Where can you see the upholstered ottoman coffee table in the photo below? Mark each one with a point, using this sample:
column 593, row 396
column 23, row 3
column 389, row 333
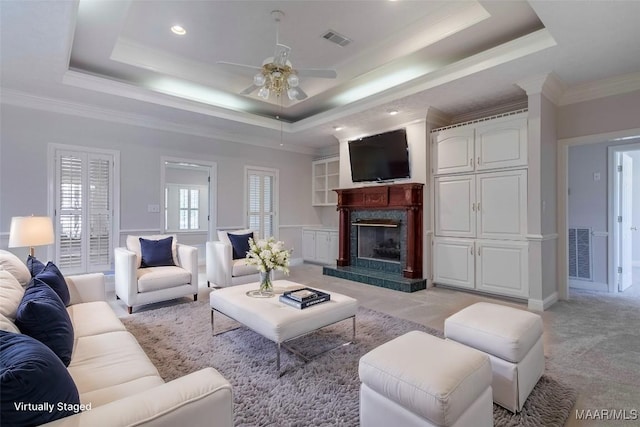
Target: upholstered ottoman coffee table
column 418, row 380
column 277, row 321
column 513, row 340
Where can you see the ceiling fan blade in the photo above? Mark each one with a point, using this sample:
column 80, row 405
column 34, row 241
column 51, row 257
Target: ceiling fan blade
column 242, row 66
column 281, row 54
column 300, row 94
column 317, row 72
column 248, row 90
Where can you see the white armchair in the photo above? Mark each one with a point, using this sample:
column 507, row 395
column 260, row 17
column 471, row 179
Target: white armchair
column 136, row 285
column 222, row 269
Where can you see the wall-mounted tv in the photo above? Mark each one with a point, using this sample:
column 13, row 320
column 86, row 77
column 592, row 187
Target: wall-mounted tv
column 381, row 157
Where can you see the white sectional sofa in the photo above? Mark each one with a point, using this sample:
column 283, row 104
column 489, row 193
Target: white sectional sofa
column 115, row 376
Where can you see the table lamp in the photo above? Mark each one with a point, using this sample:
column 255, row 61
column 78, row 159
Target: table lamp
column 30, row 231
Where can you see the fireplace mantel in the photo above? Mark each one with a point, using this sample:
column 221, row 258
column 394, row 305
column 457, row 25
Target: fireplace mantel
column 394, row 196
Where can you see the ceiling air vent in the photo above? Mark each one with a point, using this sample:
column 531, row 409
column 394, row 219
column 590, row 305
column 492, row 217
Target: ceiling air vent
column 336, row 38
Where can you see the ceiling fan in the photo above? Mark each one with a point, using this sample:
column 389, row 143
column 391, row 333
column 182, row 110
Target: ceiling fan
column 277, row 75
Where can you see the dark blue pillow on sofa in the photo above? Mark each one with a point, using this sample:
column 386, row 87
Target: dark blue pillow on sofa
column 31, row 374
column 54, row 278
column 42, row 315
column 156, row 253
column 240, row 244
column 34, row 265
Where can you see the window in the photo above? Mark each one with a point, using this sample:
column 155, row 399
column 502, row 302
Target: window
column 189, row 209
column 186, row 207
column 261, row 201
column 82, row 204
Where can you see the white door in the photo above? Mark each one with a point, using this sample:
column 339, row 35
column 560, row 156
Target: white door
column 501, row 205
column 454, row 151
column 455, row 206
column 626, row 195
column 501, row 144
column 322, row 247
column 453, row 262
column 502, row 267
column 308, row 245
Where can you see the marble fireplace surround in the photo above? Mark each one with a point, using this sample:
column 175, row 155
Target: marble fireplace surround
column 394, row 202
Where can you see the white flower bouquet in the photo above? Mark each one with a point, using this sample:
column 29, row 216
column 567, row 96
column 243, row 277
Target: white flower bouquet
column 268, row 254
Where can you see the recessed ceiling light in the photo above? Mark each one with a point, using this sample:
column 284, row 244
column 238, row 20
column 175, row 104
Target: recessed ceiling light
column 392, row 112
column 338, row 128
column 177, row 29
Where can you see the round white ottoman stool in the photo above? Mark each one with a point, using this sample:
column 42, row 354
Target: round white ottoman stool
column 420, row 380
column 513, row 340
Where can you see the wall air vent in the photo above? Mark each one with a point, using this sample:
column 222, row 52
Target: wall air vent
column 580, row 253
column 336, row 38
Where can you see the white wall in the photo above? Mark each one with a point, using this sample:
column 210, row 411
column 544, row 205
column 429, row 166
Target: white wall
column 636, row 208
column 26, row 133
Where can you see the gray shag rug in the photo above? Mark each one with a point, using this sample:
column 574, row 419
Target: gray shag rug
column 322, row 392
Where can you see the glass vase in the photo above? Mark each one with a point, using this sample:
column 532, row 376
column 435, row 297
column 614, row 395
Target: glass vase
column 266, row 282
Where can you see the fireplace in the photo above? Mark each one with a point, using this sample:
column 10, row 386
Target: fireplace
column 381, row 229
column 378, row 240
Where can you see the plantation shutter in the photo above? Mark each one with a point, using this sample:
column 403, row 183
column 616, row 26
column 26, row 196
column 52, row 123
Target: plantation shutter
column 84, row 211
column 261, row 202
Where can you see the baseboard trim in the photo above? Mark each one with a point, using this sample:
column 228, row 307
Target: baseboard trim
column 589, row 286
column 542, row 305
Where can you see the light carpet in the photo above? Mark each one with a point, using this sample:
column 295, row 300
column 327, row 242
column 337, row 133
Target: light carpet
column 322, row 392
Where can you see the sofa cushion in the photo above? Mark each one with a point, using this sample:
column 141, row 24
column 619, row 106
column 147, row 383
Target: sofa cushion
column 120, row 391
column 7, row 325
column 30, row 373
column 156, row 278
column 34, row 265
column 54, row 278
column 240, row 268
column 156, row 253
column 43, row 316
column 93, row 318
column 133, row 244
column 240, row 244
column 11, row 293
column 106, row 360
column 13, row 265
column 223, row 235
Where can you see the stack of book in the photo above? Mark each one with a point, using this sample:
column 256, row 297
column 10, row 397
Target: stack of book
column 304, row 297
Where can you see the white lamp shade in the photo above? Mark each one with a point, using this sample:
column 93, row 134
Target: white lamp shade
column 30, row 231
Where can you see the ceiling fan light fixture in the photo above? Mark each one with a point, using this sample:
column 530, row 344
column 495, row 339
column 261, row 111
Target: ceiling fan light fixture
column 293, row 80
column 259, row 79
column 263, row 92
column 292, row 93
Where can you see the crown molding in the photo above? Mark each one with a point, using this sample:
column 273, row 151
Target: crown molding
column 601, row 89
column 549, row 85
column 26, row 100
column 437, row 118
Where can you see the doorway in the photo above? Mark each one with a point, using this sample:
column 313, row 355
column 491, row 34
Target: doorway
column 624, row 218
column 189, row 201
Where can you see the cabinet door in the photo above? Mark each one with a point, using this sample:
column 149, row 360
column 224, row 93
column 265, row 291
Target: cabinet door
column 502, row 267
column 455, row 206
column 322, row 246
column 308, row 245
column 501, row 205
column 453, row 262
column 501, row 145
column 454, row 151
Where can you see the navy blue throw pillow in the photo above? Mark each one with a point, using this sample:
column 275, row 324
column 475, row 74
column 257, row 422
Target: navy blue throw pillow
column 36, row 387
column 156, row 253
column 240, row 244
column 34, row 265
column 43, row 316
column 54, row 278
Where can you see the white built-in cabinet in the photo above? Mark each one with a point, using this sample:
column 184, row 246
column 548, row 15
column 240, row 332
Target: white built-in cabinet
column 490, row 145
column 320, row 245
column 326, row 177
column 480, row 207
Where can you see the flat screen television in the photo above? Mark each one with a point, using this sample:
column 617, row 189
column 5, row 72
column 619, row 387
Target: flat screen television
column 381, row 157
